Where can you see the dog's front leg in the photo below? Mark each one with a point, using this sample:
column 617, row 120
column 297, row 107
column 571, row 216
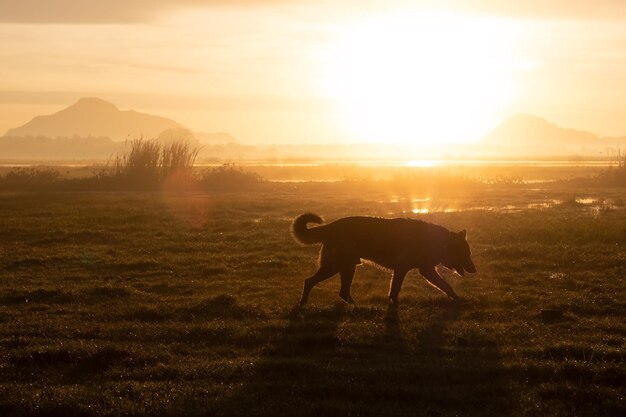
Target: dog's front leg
column 433, row 277
column 396, row 284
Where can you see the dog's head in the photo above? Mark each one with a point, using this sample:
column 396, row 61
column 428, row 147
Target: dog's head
column 457, row 254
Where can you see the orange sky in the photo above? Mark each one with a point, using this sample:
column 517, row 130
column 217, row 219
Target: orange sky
column 314, row 71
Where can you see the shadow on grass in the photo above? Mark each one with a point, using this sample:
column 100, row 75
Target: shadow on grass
column 310, row 369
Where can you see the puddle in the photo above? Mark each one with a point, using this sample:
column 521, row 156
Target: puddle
column 507, row 208
column 586, row 200
column 398, row 199
column 544, row 204
column 425, row 205
column 595, row 206
column 544, row 181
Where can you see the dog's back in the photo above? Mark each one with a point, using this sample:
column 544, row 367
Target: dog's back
column 387, row 242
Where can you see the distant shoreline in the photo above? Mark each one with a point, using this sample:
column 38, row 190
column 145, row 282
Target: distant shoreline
column 409, row 163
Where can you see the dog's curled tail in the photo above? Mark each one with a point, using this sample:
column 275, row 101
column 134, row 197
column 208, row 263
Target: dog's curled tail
column 303, row 234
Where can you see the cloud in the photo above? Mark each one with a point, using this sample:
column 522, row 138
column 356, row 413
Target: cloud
column 136, row 11
column 565, row 9
column 111, row 11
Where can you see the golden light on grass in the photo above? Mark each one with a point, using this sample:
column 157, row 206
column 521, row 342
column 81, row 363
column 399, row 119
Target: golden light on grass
column 421, row 78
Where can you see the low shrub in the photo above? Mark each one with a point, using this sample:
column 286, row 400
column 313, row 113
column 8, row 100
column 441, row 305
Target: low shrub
column 229, row 177
column 22, row 178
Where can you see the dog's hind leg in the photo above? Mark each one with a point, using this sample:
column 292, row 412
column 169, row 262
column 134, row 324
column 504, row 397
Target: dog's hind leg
column 347, row 274
column 436, row 281
column 396, row 284
column 322, row 274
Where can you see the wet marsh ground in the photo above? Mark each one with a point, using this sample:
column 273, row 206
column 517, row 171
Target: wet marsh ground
column 185, row 304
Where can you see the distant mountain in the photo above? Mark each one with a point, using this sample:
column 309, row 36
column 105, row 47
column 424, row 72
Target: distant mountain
column 528, row 130
column 525, row 134
column 93, row 117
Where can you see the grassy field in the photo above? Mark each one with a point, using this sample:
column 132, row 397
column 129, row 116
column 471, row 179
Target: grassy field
column 127, row 303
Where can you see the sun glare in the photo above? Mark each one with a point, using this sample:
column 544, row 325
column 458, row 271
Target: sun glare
column 420, row 79
column 422, row 163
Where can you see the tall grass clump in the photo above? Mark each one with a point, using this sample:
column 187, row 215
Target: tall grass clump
column 149, row 162
column 616, row 173
column 178, row 157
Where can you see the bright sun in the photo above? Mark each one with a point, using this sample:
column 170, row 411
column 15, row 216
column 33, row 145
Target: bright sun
column 420, row 78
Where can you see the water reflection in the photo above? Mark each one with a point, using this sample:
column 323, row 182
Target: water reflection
column 586, row 200
column 593, row 204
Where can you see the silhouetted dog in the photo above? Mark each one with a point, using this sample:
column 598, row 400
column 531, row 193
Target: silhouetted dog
column 397, row 244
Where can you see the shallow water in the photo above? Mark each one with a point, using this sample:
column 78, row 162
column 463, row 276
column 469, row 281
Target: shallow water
column 592, row 204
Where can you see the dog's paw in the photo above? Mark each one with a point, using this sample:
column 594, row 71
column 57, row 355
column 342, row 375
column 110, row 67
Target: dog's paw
column 454, row 297
column 347, row 298
column 460, row 301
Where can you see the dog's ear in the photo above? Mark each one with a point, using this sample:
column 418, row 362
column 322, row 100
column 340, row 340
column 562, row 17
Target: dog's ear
column 463, row 233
